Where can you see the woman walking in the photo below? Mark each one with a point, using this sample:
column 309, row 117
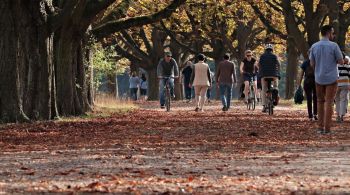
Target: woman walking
column 134, row 82
column 308, row 75
column 201, row 81
column 143, row 87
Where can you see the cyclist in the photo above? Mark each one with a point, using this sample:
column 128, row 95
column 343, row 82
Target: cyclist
column 269, row 68
column 248, row 70
column 167, row 70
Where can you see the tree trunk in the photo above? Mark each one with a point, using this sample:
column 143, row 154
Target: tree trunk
column 153, row 84
column 26, row 63
column 292, row 65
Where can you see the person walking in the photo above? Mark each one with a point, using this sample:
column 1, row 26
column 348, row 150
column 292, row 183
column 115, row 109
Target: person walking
column 167, row 70
column 201, row 81
column 225, row 76
column 324, row 57
column 211, row 85
column 134, row 82
column 342, row 95
column 308, row 74
column 186, row 74
column 269, row 68
column 143, row 87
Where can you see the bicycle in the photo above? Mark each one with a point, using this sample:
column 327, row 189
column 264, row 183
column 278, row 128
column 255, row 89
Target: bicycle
column 271, row 100
column 167, row 93
column 251, row 95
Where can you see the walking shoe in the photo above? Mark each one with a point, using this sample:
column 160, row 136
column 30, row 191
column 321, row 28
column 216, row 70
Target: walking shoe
column 224, row 109
column 326, row 132
column 264, row 110
column 316, row 118
column 311, row 119
column 162, row 106
column 339, row 119
column 197, row 109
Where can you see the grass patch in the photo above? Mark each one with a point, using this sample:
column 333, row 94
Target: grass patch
column 105, row 106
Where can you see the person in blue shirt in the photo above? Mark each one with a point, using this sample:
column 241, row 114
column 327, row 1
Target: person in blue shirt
column 324, row 57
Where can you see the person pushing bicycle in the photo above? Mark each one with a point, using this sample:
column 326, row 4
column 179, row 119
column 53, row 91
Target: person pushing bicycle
column 248, row 70
column 167, row 70
column 269, row 68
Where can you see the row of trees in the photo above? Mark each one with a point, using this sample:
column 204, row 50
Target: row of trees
column 214, row 28
column 45, row 52
column 46, row 46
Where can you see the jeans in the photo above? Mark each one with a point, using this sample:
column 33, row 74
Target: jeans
column 226, row 98
column 200, row 92
column 325, row 100
column 133, row 93
column 311, row 99
column 342, row 100
column 188, row 91
column 209, row 93
column 162, row 83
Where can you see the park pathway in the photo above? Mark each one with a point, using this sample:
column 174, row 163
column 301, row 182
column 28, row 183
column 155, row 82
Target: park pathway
column 150, row 151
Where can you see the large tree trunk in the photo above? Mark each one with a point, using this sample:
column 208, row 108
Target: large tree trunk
column 26, row 63
column 153, row 84
column 292, row 68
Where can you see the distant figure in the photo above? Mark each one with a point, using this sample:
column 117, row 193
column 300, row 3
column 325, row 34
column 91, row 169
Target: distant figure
column 134, row 85
column 211, row 86
column 143, row 87
column 342, row 95
column 201, row 80
column 186, row 74
column 225, row 76
column 167, row 70
column 308, row 74
column 324, row 57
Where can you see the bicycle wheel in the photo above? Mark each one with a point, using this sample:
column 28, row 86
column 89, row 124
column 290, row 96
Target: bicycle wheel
column 167, row 100
column 252, row 98
column 270, row 107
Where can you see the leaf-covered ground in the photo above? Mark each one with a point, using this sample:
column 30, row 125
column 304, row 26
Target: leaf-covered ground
column 150, row 151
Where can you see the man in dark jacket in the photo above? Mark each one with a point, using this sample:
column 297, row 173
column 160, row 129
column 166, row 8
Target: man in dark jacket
column 269, row 68
column 186, row 74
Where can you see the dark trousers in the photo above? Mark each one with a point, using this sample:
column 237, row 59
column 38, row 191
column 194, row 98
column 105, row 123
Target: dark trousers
column 133, row 93
column 209, row 93
column 188, row 91
column 311, row 99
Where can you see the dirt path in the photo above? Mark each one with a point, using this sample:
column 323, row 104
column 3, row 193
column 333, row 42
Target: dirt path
column 181, row 152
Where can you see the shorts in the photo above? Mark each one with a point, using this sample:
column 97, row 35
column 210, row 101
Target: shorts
column 247, row 77
column 143, row 92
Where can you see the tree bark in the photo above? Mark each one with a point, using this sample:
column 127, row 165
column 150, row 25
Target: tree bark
column 292, row 68
column 26, row 65
column 153, row 84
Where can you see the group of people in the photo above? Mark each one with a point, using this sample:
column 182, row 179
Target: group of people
column 326, row 76
column 199, row 76
column 136, row 84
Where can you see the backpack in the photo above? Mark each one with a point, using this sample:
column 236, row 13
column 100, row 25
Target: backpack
column 299, row 96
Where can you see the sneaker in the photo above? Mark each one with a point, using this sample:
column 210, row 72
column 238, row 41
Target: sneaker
column 320, row 131
column 264, row 110
column 339, row 119
column 316, row 118
column 224, row 108
column 162, row 106
column 326, row 132
column 311, row 119
column 173, row 96
column 197, row 109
